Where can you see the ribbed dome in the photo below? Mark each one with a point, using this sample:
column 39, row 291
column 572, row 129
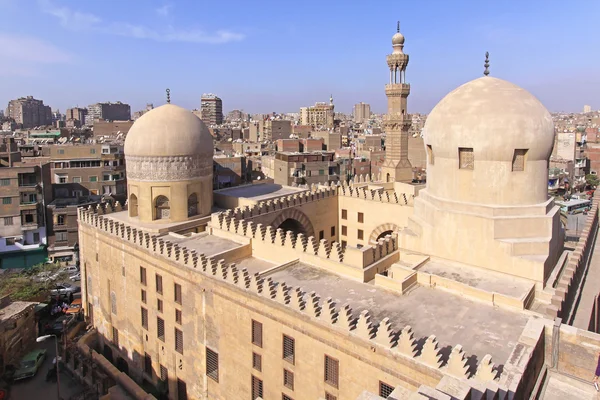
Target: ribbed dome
column 169, row 130
column 492, row 116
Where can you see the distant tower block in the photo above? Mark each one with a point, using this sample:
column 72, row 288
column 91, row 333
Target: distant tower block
column 397, row 167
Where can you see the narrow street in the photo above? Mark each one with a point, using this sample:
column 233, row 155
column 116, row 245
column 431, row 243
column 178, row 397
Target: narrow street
column 37, row 387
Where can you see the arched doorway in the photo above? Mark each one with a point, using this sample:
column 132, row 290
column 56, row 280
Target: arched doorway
column 162, row 207
column 387, row 177
column 297, row 217
column 192, row 205
column 133, row 205
column 292, row 225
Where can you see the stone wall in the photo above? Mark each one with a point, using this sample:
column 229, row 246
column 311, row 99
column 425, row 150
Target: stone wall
column 570, row 280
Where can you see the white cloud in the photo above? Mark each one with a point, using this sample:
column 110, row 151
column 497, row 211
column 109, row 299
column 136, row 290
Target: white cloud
column 80, row 21
column 23, row 54
column 164, row 10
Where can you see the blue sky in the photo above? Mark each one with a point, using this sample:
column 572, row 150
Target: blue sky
column 264, row 56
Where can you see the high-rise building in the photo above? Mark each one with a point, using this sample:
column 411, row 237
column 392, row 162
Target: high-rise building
column 211, row 109
column 361, row 112
column 587, row 109
column 108, row 111
column 29, row 112
column 321, row 115
column 397, row 167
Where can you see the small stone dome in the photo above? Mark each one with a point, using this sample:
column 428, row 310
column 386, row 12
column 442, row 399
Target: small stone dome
column 488, row 142
column 169, row 130
column 492, row 116
column 397, row 39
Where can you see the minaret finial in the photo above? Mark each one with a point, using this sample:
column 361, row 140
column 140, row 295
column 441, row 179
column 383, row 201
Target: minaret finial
column 487, row 64
column 398, row 27
column 169, row 96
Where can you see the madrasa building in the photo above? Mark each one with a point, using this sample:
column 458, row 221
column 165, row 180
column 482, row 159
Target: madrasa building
column 373, row 289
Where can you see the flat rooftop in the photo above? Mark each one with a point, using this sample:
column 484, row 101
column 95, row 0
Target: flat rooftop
column 13, row 309
column 253, row 265
column 203, row 243
column 489, row 281
column 260, row 192
column 481, row 329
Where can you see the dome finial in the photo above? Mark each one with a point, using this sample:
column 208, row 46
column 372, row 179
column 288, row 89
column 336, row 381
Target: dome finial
column 487, row 64
column 398, row 27
column 168, row 96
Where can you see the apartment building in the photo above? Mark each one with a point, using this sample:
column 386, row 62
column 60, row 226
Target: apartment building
column 211, row 109
column 89, row 169
column 108, row 111
column 28, row 112
column 361, row 112
column 24, row 186
column 75, row 117
column 318, row 167
column 277, row 129
column 229, row 171
column 332, row 140
column 321, row 115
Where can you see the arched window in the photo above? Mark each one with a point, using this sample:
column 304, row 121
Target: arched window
column 133, row 205
column 163, row 209
column 192, row 205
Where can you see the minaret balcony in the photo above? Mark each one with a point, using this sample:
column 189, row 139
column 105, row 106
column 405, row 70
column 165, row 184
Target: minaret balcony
column 397, row 89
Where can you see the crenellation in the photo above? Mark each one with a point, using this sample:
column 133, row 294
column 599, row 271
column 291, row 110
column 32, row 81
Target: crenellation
column 297, row 299
column 407, row 343
column 329, row 313
column 430, row 353
column 345, row 318
column 364, row 327
column 279, row 237
column 282, row 293
column 313, row 307
column 385, row 335
column 323, row 250
column 486, row 370
column 457, row 363
column 312, row 246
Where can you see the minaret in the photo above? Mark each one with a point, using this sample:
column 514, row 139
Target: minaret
column 396, row 122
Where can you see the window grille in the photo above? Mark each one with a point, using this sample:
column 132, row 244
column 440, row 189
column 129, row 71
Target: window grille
column 178, row 341
column 329, row 396
column 178, row 317
column 159, row 287
column 113, row 303
column 257, row 333
column 257, row 361
column 466, row 159
column 331, row 371
column 288, row 379
column 160, row 328
column 212, row 364
column 148, row 364
column 164, row 373
column 115, row 333
column 289, row 349
column 144, row 318
column 257, row 388
column 181, row 390
column 385, row 390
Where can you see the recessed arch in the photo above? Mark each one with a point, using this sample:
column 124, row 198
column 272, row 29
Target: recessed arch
column 295, row 215
column 192, row 205
column 162, row 208
column 133, row 205
column 382, row 231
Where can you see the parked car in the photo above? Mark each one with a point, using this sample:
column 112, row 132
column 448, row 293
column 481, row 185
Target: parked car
column 75, row 307
column 71, row 269
column 61, row 323
column 30, row 364
column 76, row 277
column 65, row 288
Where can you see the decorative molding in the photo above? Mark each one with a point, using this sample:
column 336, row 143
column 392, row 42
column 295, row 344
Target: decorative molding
column 168, row 168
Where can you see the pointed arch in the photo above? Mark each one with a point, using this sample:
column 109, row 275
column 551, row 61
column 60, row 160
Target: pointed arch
column 133, row 205
column 162, row 208
column 192, row 205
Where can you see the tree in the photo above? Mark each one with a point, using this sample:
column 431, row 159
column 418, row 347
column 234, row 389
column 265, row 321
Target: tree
column 592, row 180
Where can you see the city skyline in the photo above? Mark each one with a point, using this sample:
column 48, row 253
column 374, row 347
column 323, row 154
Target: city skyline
column 279, row 58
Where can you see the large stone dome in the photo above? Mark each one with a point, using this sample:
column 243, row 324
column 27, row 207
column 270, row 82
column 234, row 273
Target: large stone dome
column 492, row 116
column 169, row 130
column 488, row 142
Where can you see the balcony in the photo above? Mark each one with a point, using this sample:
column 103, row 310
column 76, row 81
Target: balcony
column 29, row 226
